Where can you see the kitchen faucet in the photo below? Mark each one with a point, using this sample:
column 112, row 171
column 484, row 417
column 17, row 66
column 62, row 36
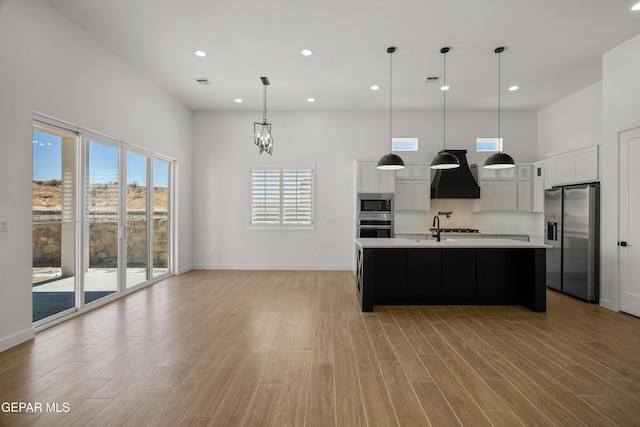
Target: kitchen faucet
column 436, row 220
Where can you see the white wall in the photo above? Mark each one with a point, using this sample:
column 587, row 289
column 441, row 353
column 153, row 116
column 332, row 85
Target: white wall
column 570, row 123
column 621, row 111
column 51, row 66
column 330, row 141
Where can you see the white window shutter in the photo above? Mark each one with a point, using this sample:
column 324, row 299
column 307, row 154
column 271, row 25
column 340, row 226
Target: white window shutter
column 282, row 198
column 296, row 197
column 265, row 197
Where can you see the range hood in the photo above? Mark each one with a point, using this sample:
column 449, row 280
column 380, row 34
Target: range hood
column 456, row 183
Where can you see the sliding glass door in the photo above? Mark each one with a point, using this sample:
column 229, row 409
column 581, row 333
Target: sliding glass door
column 101, row 220
column 137, row 220
column 54, row 226
column 161, row 229
column 102, row 232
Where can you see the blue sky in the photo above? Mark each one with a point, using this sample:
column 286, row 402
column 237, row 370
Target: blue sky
column 103, row 162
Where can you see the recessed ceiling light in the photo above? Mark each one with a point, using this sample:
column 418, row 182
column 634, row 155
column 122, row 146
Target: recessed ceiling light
column 238, row 100
column 514, row 88
column 445, row 88
column 306, row 52
column 375, row 87
column 201, row 53
column 635, row 7
column 311, row 100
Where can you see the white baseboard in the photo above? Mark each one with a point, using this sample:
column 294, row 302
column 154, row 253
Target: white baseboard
column 16, row 339
column 271, row 267
column 184, row 269
column 605, row 303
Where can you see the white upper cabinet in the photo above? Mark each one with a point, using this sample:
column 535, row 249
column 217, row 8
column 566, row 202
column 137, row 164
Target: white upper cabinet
column 563, row 170
column 586, row 165
column 370, row 179
column 549, row 180
column 574, row 167
column 525, row 187
column 525, row 196
column 487, row 174
column 525, row 172
column 413, row 195
column 496, row 195
column 414, row 171
column 498, row 188
column 538, row 195
column 413, row 187
column 543, row 171
column 538, row 170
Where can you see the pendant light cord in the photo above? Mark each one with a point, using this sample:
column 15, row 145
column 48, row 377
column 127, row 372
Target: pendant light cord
column 444, row 103
column 390, row 97
column 499, row 52
column 264, row 105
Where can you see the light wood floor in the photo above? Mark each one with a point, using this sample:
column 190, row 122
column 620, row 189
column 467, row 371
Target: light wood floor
column 226, row 348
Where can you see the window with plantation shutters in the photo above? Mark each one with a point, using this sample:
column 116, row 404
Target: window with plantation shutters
column 265, row 197
column 282, row 198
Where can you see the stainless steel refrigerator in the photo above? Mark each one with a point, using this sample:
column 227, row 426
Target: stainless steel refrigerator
column 572, row 219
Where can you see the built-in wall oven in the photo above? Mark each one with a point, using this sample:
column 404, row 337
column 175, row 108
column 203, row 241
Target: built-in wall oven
column 375, row 215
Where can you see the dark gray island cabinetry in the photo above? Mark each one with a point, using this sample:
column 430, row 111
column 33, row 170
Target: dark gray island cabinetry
column 463, row 271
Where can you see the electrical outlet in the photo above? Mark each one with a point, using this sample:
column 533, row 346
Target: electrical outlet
column 4, row 225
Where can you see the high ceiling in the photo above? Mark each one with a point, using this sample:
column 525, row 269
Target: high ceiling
column 553, row 49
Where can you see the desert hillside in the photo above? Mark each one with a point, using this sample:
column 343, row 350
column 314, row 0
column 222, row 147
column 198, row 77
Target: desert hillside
column 47, row 196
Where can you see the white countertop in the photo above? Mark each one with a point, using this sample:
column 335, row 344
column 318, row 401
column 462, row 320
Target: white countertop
column 452, row 233
column 446, row 242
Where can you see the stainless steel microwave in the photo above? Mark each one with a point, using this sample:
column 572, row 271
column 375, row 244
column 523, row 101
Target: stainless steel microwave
column 375, row 206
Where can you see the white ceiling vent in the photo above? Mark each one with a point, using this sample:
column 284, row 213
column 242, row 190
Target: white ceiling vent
column 202, row 81
column 432, row 79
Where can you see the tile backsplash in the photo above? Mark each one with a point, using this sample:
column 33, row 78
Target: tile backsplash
column 463, row 215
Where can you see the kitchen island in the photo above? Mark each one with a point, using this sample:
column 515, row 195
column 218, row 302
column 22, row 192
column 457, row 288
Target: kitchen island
column 452, row 271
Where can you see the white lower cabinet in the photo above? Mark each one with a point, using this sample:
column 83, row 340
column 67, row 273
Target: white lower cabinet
column 538, row 195
column 498, row 195
column 414, row 195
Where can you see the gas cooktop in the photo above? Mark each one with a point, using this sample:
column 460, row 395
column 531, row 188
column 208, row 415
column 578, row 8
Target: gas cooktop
column 456, row 230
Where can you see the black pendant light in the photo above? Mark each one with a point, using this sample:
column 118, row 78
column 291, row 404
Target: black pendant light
column 262, row 131
column 390, row 161
column 444, row 160
column 499, row 160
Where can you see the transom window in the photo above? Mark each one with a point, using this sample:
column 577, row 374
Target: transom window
column 404, row 144
column 282, row 198
column 488, row 144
